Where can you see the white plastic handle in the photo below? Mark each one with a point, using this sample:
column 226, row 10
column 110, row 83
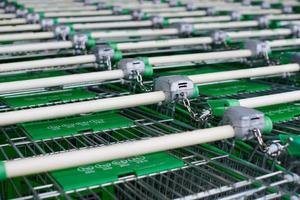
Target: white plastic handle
column 78, row 13
column 64, row 110
column 259, row 33
column 46, row 63
column 107, row 25
column 242, row 24
column 164, row 43
column 19, row 28
column 92, row 77
column 244, row 73
column 26, row 36
column 284, row 43
column 272, row 99
column 94, row 19
column 13, row 21
column 35, row 47
column 46, row 163
column 132, row 33
column 200, row 57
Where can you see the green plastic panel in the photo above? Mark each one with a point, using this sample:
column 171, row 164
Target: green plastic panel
column 105, row 172
column 49, row 97
column 74, row 125
column 32, row 75
column 231, row 88
column 219, row 106
column 282, row 112
column 2, row 171
column 294, row 146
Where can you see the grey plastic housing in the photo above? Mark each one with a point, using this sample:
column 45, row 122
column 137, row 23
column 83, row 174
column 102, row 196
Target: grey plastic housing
column 101, row 5
column 2, row 4
column 47, row 24
column 287, row 9
column 175, row 87
column 210, row 11
column 219, row 37
column 117, row 10
column 246, row 2
column 263, row 21
column 33, row 18
column 102, row 52
column 265, row 5
column 88, row 2
column 235, row 16
column 185, row 29
column 157, row 21
column 137, row 14
column 295, row 58
column 243, row 120
column 10, row 8
column 258, row 48
column 62, row 32
column 156, row 1
column 131, row 66
column 20, row 13
column 79, row 41
column 190, row 6
column 173, row 3
column 295, row 30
